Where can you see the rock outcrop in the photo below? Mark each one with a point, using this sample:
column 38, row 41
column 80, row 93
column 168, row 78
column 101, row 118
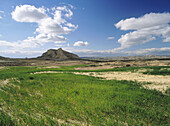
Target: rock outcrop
column 58, row 55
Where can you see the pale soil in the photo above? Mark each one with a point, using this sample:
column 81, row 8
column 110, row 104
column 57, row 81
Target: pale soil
column 95, row 68
column 46, row 72
column 2, row 68
column 118, row 64
column 158, row 82
column 51, row 67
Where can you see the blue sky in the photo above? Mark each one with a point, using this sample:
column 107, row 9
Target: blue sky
column 85, row 27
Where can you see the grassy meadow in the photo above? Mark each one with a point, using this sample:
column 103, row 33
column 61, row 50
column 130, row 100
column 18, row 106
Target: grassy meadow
column 69, row 99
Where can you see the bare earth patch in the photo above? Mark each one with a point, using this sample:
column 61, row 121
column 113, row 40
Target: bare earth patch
column 95, row 68
column 51, row 67
column 158, row 82
column 118, row 64
column 46, row 72
column 3, row 67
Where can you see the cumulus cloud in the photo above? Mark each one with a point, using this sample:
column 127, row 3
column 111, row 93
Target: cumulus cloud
column 41, row 39
column 147, row 28
column 110, row 38
column 51, row 26
column 68, row 13
column 148, row 20
column 81, row 43
column 28, row 13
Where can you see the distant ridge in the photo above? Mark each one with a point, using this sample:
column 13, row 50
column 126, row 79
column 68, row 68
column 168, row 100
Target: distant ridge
column 2, row 58
column 59, row 54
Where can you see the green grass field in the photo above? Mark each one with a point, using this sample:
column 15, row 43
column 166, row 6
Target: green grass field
column 68, row 99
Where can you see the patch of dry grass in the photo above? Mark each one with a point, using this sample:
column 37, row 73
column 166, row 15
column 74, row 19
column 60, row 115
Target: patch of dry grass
column 159, row 82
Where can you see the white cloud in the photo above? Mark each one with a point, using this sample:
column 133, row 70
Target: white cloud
column 46, row 25
column 17, row 45
column 81, row 43
column 41, row 39
column 112, row 53
column 148, row 20
column 49, row 26
column 134, row 38
column 152, row 51
column 28, row 13
column 71, row 25
column 18, row 50
column 147, row 28
column 68, row 13
column 110, row 38
column 1, row 12
column 51, row 23
column 89, row 51
column 49, row 30
column 19, row 53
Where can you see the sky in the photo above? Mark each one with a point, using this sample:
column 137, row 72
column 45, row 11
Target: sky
column 89, row 28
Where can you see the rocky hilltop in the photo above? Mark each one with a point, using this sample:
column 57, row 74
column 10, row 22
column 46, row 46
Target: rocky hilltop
column 59, row 54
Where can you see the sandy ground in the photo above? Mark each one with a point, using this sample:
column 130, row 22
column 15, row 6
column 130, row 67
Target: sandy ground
column 2, row 67
column 46, row 72
column 95, row 68
column 51, row 67
column 157, row 82
column 118, row 64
